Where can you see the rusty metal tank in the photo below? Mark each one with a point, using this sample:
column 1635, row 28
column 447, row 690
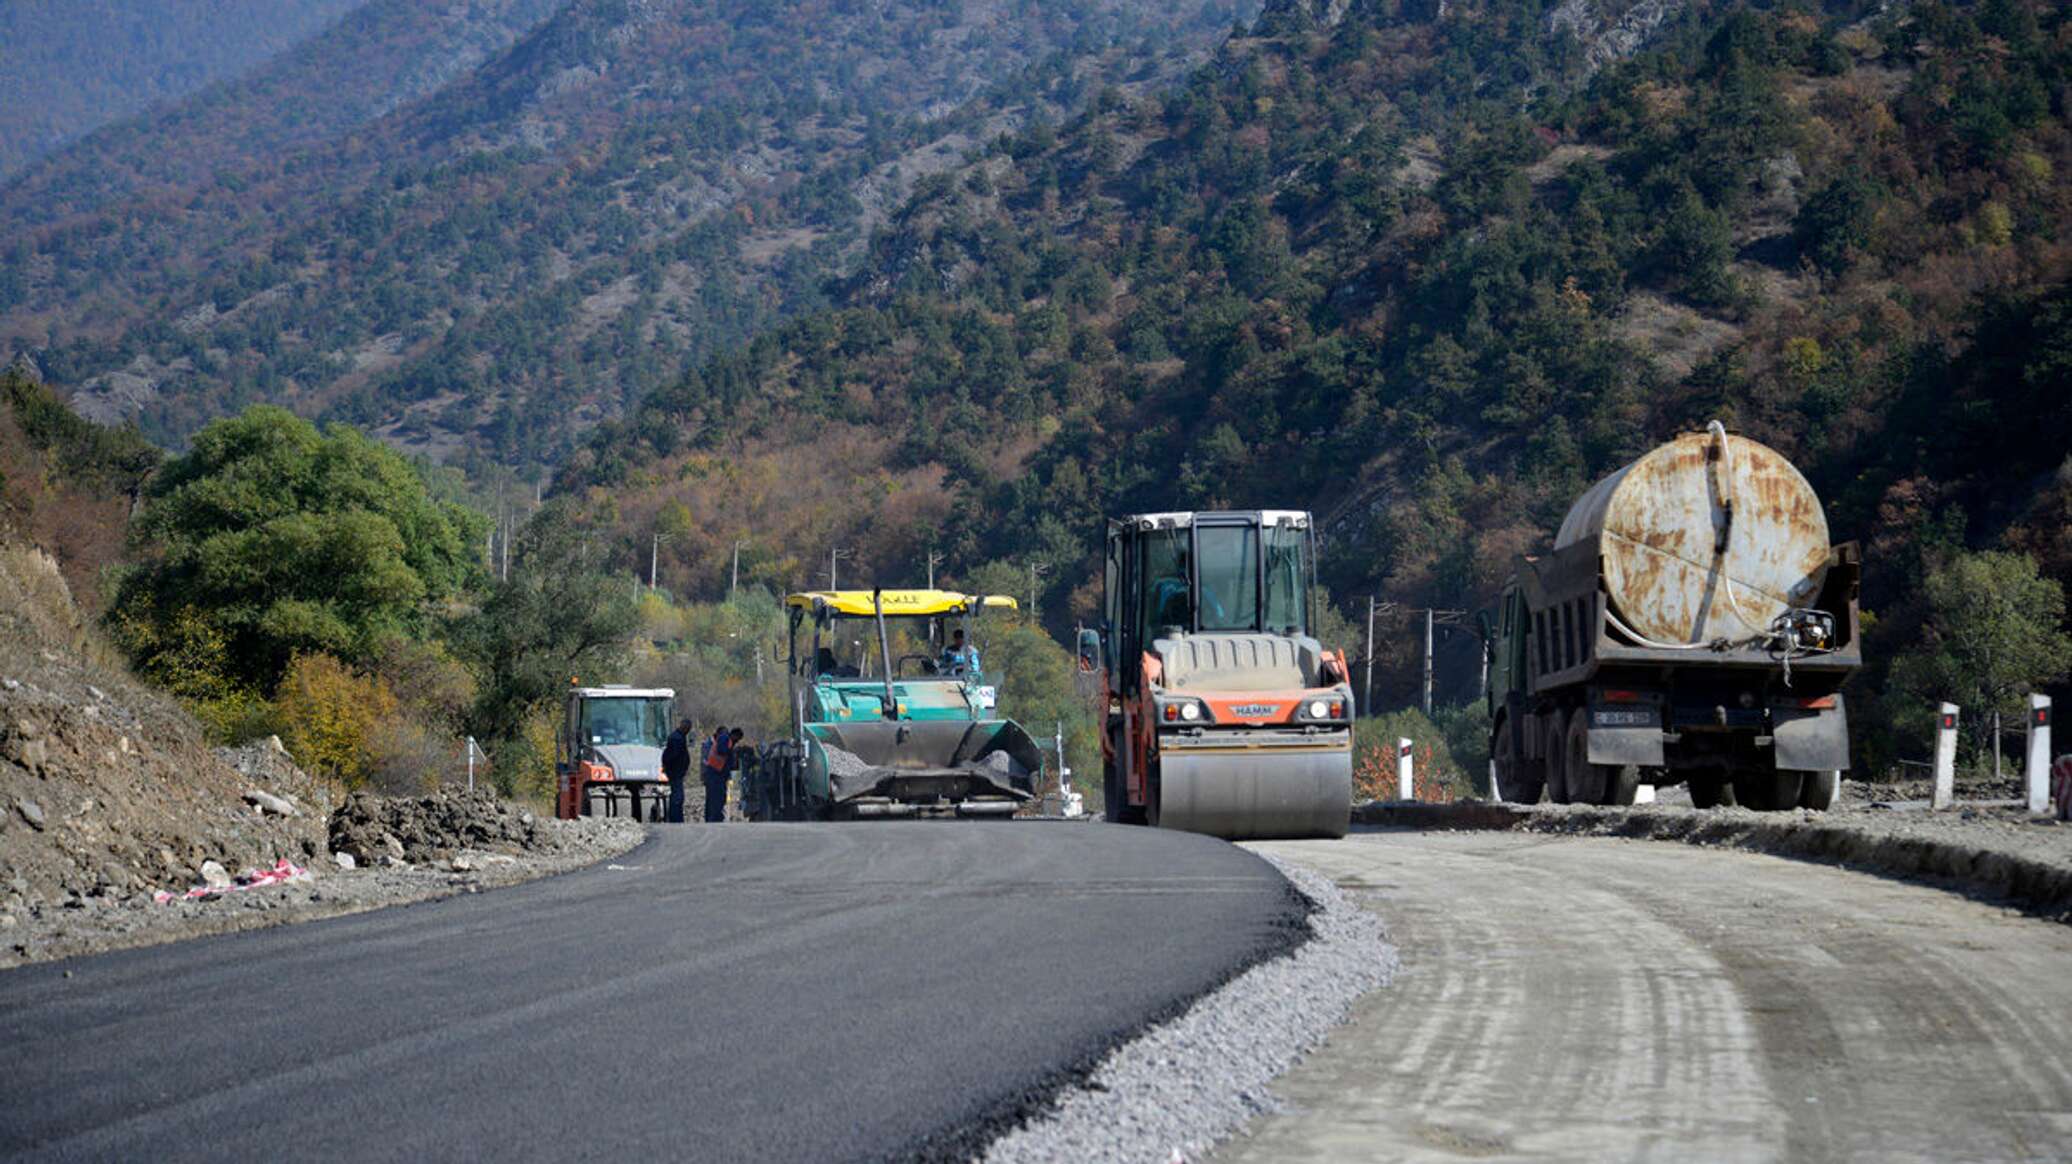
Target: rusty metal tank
column 1710, row 536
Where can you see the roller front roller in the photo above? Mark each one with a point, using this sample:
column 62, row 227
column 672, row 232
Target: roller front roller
column 1256, row 795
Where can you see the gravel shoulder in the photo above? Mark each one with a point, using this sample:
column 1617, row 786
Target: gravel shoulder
column 1993, row 851
column 1591, row 998
column 1185, row 1084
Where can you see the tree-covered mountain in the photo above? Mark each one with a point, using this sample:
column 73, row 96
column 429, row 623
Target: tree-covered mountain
column 75, row 65
column 1429, row 269
column 624, row 189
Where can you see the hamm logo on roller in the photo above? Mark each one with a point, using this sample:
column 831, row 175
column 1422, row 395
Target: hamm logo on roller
column 1255, row 710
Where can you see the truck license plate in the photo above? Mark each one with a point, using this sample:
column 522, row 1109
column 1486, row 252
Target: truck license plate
column 1623, row 718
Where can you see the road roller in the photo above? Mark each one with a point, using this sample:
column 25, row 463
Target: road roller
column 1225, row 715
column 1692, row 625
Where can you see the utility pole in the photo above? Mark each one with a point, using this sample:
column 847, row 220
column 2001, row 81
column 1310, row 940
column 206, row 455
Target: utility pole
column 734, row 583
column 934, row 560
column 1428, row 662
column 654, row 559
column 1367, row 687
column 1036, row 571
column 834, row 559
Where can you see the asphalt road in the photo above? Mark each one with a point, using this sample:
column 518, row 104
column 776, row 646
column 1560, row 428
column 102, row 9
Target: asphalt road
column 1591, row 999
column 794, row 992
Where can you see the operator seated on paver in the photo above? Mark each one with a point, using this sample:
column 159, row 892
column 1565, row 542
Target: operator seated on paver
column 957, row 657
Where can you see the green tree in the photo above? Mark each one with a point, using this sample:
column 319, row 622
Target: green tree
column 1834, row 227
column 1992, row 636
column 277, row 540
column 559, row 617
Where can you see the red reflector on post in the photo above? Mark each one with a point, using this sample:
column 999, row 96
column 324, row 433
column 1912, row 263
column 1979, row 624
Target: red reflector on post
column 1949, row 723
column 2043, row 717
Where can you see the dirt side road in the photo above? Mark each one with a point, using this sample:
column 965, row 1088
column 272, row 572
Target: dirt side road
column 1597, row 999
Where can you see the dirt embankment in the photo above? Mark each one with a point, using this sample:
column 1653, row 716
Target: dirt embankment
column 1993, row 852
column 110, row 795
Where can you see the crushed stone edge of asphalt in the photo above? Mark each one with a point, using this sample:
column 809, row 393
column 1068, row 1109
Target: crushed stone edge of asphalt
column 1183, row 1082
column 2038, row 888
column 244, row 921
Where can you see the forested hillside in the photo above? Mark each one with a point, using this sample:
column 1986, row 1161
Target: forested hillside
column 73, row 65
column 1430, row 271
column 550, row 232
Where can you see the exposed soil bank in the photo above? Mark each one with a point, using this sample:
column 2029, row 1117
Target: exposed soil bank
column 2003, row 854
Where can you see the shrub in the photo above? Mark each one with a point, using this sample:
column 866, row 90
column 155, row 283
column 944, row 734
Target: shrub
column 331, row 716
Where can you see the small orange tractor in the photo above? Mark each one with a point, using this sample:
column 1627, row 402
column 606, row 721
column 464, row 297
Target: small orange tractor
column 608, row 752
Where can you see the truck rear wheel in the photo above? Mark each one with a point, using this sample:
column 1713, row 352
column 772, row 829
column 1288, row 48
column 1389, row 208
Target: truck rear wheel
column 1586, row 781
column 1622, row 784
column 1518, row 780
column 1555, row 748
column 1711, row 792
column 1818, row 790
column 1767, row 791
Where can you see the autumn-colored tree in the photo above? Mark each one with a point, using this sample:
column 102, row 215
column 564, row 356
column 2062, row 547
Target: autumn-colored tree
column 334, row 718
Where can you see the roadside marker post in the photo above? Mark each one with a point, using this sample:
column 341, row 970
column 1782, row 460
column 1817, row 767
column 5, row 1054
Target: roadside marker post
column 2038, row 770
column 1405, row 790
column 1496, row 794
column 1945, row 793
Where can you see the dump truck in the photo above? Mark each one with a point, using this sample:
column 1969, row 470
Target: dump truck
column 608, row 752
column 1224, row 715
column 1692, row 624
column 884, row 732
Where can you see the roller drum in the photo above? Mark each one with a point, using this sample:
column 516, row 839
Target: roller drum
column 1256, row 796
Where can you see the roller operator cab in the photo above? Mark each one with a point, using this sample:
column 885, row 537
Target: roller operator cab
column 1225, row 715
column 608, row 752
column 1693, row 624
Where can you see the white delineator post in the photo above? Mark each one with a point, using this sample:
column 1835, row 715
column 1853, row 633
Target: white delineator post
column 471, row 763
column 2038, row 771
column 1945, row 793
column 1405, row 790
column 1496, row 794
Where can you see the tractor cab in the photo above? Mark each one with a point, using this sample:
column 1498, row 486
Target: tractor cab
column 608, row 752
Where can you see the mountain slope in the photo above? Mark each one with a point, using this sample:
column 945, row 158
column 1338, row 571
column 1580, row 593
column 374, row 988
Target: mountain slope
column 73, row 65
column 1429, row 274
column 625, row 188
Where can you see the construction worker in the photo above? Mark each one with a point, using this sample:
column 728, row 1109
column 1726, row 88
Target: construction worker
column 676, row 765
column 957, row 658
column 719, row 760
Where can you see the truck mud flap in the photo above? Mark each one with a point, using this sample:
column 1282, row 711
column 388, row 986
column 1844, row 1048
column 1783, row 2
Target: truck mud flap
column 1811, row 740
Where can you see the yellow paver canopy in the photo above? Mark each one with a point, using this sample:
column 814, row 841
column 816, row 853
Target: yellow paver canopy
column 898, row 603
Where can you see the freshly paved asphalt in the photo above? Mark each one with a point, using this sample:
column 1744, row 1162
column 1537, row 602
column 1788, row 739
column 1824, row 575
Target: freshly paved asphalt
column 794, row 992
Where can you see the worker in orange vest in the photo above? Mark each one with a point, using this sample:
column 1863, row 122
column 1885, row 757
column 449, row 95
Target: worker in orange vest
column 719, row 762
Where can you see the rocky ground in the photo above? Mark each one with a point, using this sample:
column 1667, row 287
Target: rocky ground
column 109, row 795
column 382, row 851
